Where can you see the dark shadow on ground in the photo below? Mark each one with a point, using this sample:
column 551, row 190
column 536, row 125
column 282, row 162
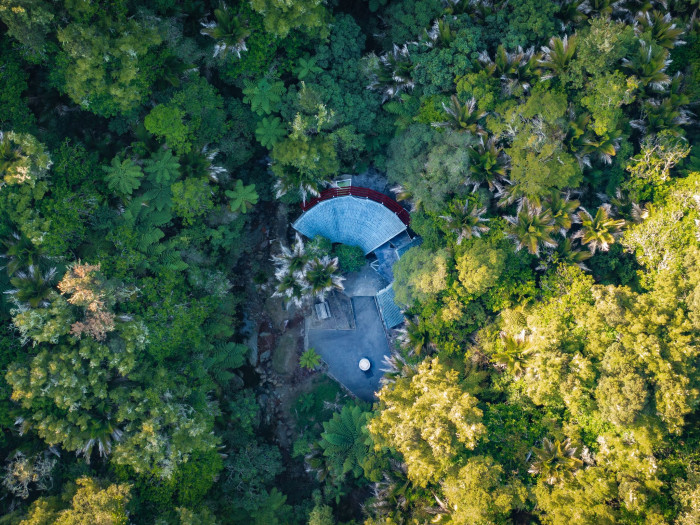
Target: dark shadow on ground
column 343, row 349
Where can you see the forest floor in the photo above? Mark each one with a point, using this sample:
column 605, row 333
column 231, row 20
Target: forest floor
column 276, row 333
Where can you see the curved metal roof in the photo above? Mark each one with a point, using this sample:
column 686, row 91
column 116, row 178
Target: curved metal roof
column 351, row 220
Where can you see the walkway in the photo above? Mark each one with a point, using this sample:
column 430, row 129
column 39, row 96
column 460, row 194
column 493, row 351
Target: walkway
column 343, row 349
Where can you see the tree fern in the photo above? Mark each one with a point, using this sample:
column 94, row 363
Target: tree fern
column 162, row 168
column 270, row 131
column 150, row 237
column 123, row 177
column 306, row 66
column 243, row 198
column 222, row 359
column 264, row 96
column 343, row 442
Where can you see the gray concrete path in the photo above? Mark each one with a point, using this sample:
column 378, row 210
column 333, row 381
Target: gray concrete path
column 343, row 349
column 364, row 283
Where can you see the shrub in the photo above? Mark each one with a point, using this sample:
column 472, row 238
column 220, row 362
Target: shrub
column 350, row 258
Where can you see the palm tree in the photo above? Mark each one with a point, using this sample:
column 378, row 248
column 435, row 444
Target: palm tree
column 599, row 231
column 566, row 253
column 571, row 13
column 292, row 260
column 466, row 220
column 229, row 31
column 577, row 137
column 661, row 27
column 462, row 117
column 392, row 496
column 290, row 272
column 626, row 207
column 602, row 8
column 663, row 115
column 531, row 228
column 513, row 353
column 441, row 34
column 20, row 252
column 562, row 209
column 558, row 55
column 391, row 72
column 488, row 163
column 291, row 287
column 102, row 434
column 321, row 277
column 604, row 146
column 649, row 65
column 32, row 287
column 395, row 367
column 508, row 193
column 415, row 337
column 516, row 70
column 292, row 178
column 555, row 461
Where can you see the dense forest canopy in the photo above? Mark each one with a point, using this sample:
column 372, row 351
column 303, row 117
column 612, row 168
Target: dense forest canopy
column 153, row 156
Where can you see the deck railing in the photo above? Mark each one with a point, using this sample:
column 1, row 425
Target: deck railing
column 365, row 193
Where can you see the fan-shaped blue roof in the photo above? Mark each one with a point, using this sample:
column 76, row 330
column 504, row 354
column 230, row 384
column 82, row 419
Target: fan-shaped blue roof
column 351, row 220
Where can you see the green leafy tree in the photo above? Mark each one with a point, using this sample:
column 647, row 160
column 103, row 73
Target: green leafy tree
column 167, row 122
column 23, row 159
column 431, row 418
column 304, row 165
column 350, row 258
column 282, row 16
column 310, row 359
column 29, row 22
column 480, row 267
column 480, row 493
column 91, row 503
column 539, row 158
column 191, row 198
column 103, row 66
column 419, row 274
column 123, row 176
column 243, row 198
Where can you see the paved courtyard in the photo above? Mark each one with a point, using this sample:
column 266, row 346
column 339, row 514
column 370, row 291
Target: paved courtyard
column 343, row 349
